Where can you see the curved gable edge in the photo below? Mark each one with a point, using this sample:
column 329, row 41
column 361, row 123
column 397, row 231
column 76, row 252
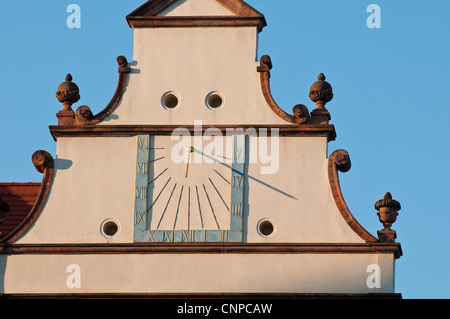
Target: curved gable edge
column 84, row 116
column 43, row 163
column 339, row 160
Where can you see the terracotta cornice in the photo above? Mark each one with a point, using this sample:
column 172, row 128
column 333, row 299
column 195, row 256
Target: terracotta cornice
column 43, row 163
column 199, row 22
column 132, row 130
column 203, row 248
column 339, row 160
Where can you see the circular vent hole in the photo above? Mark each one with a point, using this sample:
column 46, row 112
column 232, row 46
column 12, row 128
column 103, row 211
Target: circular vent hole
column 170, row 100
column 110, row 228
column 214, row 100
column 266, row 227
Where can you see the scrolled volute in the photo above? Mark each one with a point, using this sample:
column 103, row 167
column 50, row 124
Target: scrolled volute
column 84, row 114
column 42, row 160
column 342, row 161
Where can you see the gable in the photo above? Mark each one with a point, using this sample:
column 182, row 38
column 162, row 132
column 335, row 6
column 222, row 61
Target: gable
column 195, row 13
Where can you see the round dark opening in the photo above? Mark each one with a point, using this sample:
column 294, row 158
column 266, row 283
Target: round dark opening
column 215, row 101
column 110, row 228
column 266, row 228
column 171, row 101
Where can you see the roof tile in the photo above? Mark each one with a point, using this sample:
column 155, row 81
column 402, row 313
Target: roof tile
column 20, row 197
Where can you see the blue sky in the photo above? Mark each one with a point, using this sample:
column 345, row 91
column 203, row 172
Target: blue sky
column 390, row 106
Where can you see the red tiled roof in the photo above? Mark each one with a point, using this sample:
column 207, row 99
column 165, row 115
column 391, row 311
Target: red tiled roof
column 20, row 197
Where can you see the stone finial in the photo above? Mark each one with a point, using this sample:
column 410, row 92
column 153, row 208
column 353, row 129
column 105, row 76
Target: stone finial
column 387, row 213
column 4, row 208
column 321, row 92
column 68, row 93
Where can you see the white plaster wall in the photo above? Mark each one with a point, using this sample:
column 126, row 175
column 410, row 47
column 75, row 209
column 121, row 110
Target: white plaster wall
column 197, row 273
column 94, row 181
column 297, row 198
column 194, row 62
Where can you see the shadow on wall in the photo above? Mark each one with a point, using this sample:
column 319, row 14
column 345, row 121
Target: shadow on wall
column 62, row 164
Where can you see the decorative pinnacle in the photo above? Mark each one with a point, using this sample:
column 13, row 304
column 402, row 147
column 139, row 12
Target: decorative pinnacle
column 68, row 93
column 387, row 213
column 321, row 92
column 387, row 201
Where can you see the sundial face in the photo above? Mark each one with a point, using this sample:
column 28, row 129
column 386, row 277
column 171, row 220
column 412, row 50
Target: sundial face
column 189, row 189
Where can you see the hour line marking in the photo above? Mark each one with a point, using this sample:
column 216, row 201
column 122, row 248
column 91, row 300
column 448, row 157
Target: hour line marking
column 178, row 208
column 158, row 176
column 189, row 207
column 159, row 194
column 199, row 207
column 224, row 157
column 222, row 176
column 158, row 159
column 217, row 191
column 165, row 209
column 210, row 205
